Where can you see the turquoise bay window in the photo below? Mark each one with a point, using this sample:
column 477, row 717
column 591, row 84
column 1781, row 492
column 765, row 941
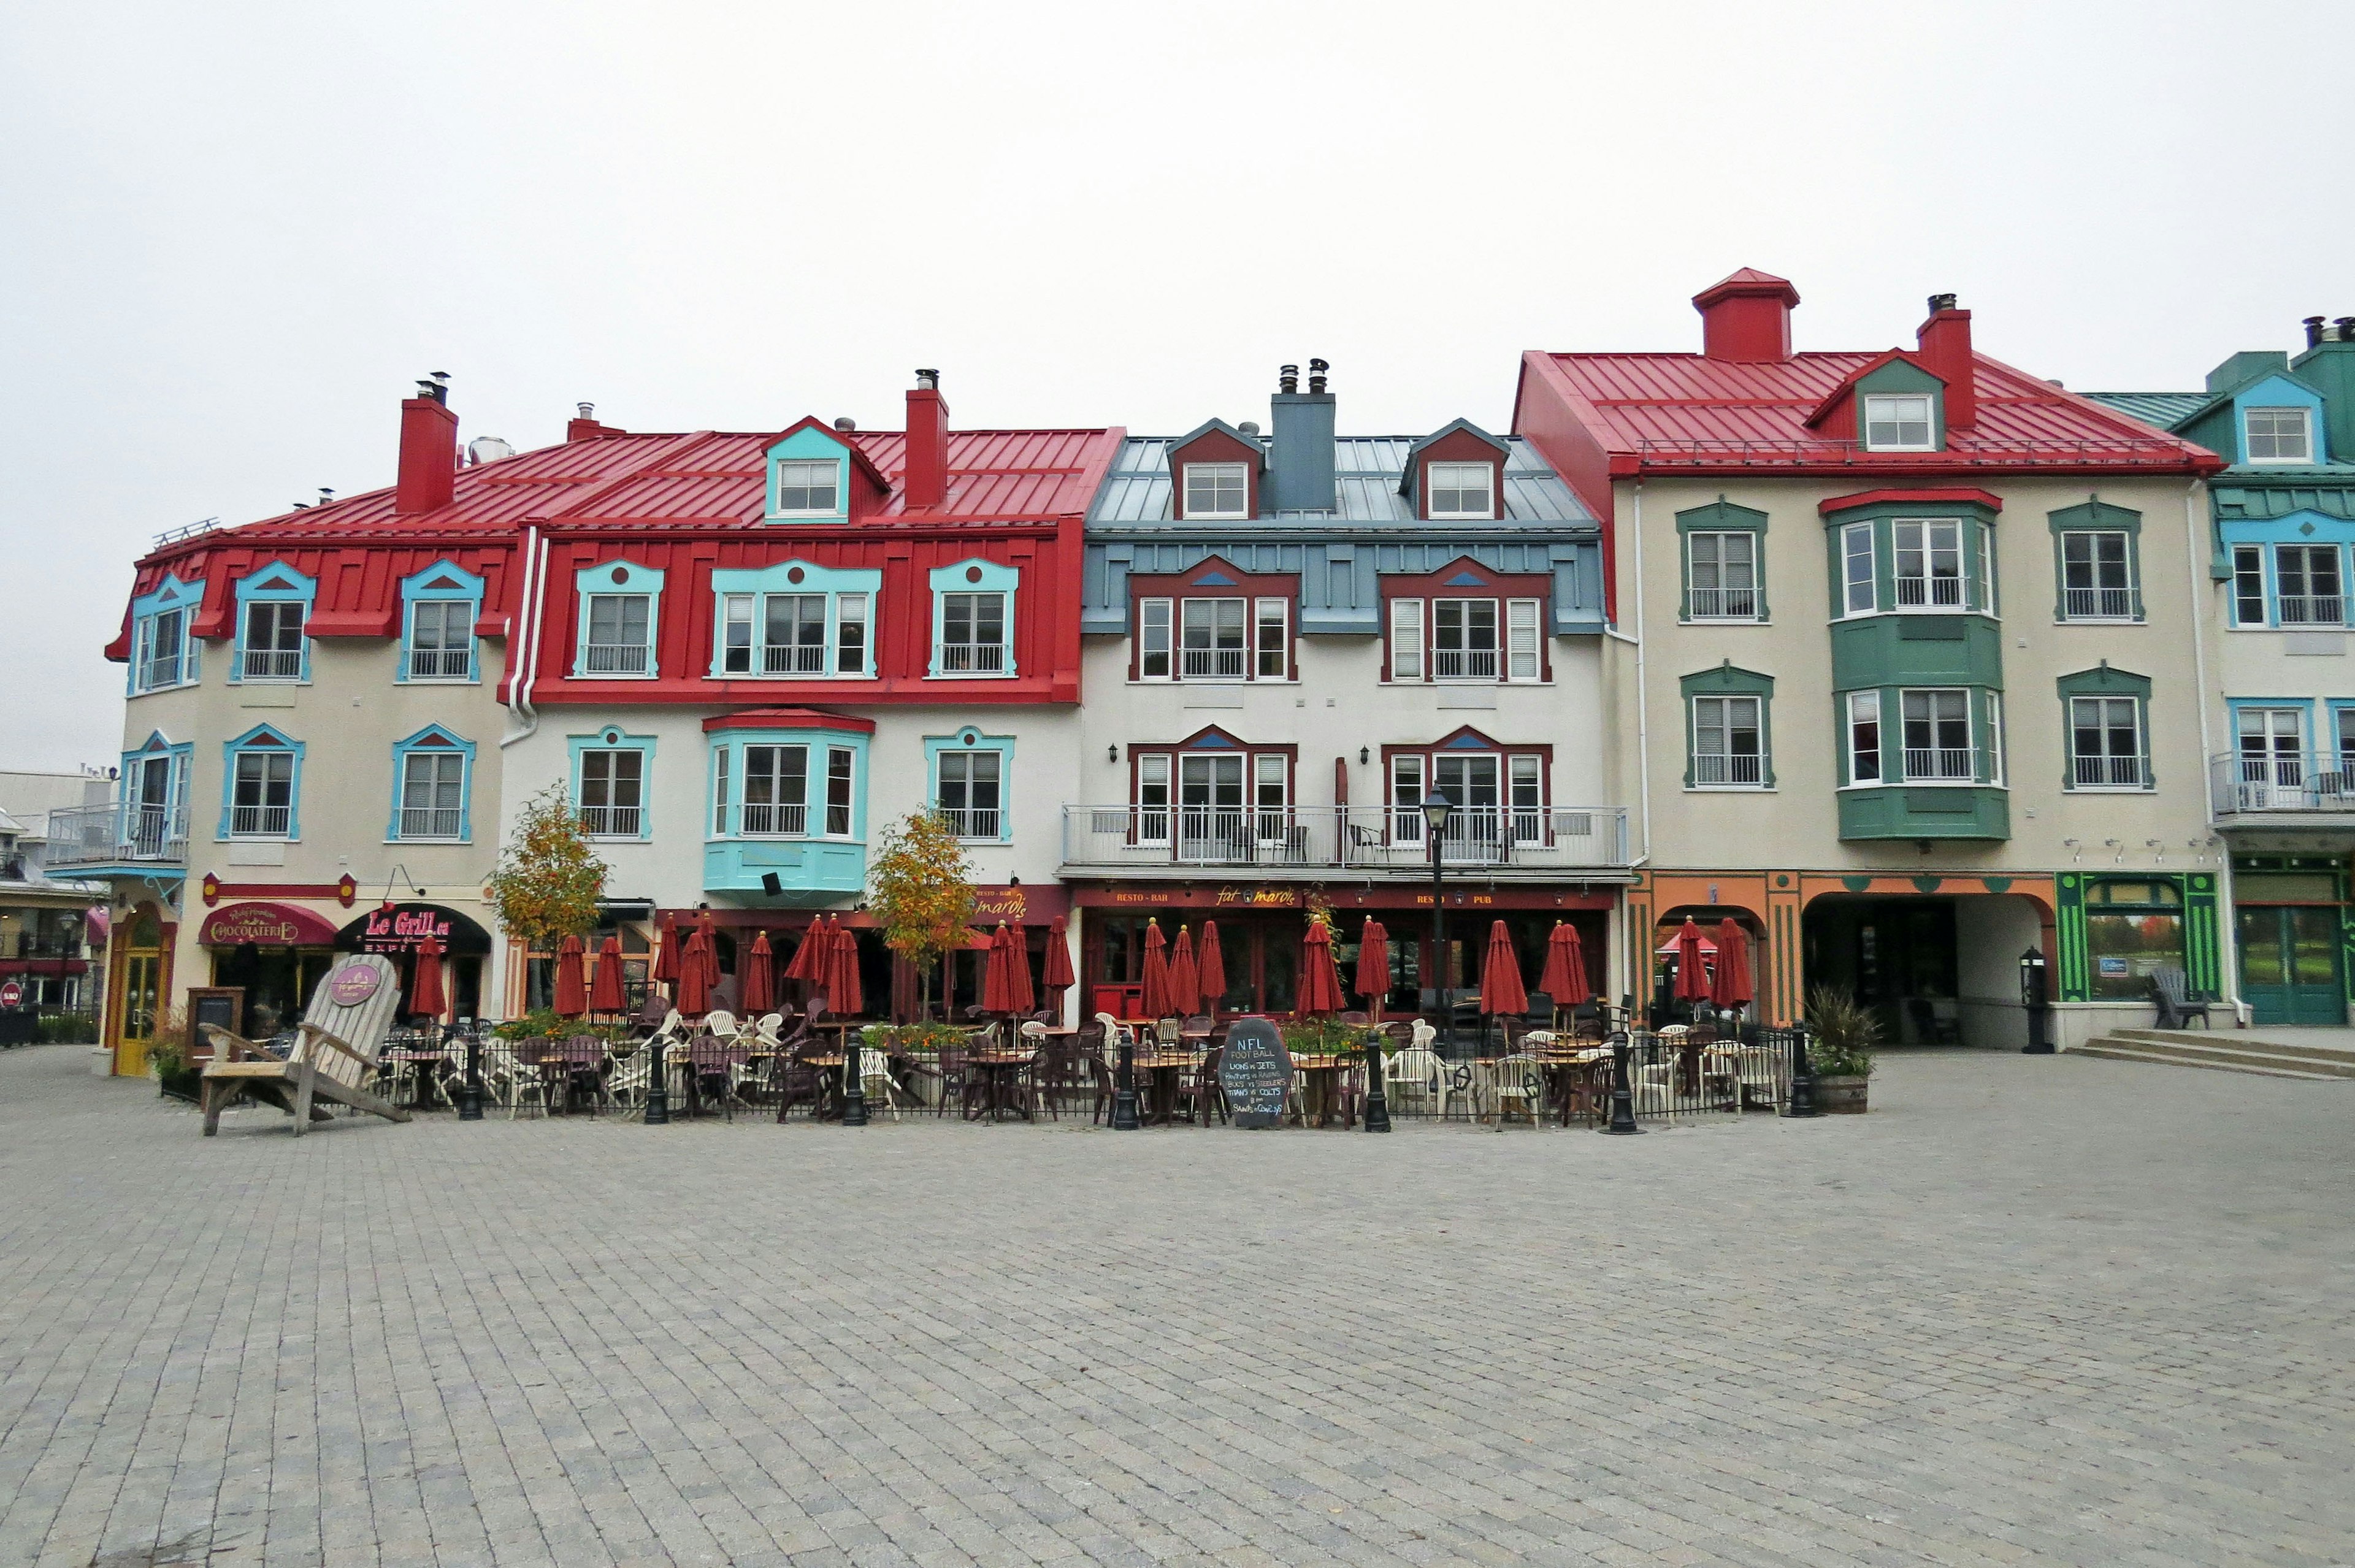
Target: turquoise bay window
column 162, row 650
column 787, row 805
column 973, row 619
column 612, row 771
column 970, row 776
column 795, row 621
column 619, row 613
column 261, row 786
column 432, row 779
column 273, row 606
column 439, row 607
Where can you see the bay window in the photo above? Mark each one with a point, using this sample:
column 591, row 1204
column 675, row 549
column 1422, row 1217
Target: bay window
column 1937, row 736
column 1864, row 737
column 1928, row 553
column 811, row 636
column 1858, row 569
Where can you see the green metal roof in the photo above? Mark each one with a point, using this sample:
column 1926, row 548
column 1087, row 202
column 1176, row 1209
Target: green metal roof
column 2162, row 410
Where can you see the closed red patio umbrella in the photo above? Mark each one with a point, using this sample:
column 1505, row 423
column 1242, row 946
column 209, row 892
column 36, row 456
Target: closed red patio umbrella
column 844, row 994
column 1374, row 967
column 605, row 992
column 694, row 995
column 1320, row 979
column 1565, row 967
column 809, row 955
column 1211, row 968
column 710, row 948
column 666, row 954
column 1017, row 955
column 1730, row 987
column 998, row 976
column 1501, row 992
column 1059, row 977
column 1692, row 964
column 759, row 977
column 1157, row 1000
column 1185, row 978
column 571, row 986
column 425, row 996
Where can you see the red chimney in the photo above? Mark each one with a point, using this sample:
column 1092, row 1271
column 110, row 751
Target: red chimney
column 585, row 427
column 1946, row 347
column 428, row 450
column 925, row 482
column 1747, row 317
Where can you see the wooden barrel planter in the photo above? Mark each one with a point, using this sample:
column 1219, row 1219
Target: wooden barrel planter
column 1840, row 1096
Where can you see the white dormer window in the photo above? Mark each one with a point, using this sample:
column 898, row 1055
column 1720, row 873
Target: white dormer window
column 1216, row 490
column 1461, row 490
column 808, row 488
column 1897, row 424
column 2280, row 435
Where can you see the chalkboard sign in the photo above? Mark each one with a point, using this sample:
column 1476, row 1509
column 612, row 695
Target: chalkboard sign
column 1254, row 1072
column 221, row 1006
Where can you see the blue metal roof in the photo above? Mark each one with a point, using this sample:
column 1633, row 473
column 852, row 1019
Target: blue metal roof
column 1367, row 470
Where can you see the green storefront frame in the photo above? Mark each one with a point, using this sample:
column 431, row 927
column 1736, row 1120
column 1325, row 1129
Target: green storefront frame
column 2193, row 901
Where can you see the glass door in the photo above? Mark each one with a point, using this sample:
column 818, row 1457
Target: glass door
column 1210, row 819
column 2289, row 963
column 2272, row 756
column 1475, row 829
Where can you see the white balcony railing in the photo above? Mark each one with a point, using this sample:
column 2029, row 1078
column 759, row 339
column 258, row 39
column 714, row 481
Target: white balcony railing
column 273, row 664
column 1722, row 768
column 2098, row 603
column 1723, row 603
column 610, row 821
column 613, row 658
column 99, row 835
column 1212, row 664
column 972, row 658
column 1464, row 664
column 1347, row 837
column 429, row 822
column 794, row 659
column 260, row 821
column 775, row 820
column 2108, row 773
column 2313, row 610
column 973, row 821
column 1938, row 591
column 440, row 663
column 1943, row 764
column 2283, row 781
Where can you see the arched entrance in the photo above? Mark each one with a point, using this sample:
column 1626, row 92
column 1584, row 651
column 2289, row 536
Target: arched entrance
column 1936, row 967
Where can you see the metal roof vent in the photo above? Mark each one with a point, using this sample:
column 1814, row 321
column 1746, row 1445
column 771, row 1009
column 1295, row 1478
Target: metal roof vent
column 1317, row 368
column 928, row 380
column 1287, row 379
column 846, row 423
column 1248, row 427
column 2346, row 325
column 1941, row 302
column 487, row 448
column 588, row 411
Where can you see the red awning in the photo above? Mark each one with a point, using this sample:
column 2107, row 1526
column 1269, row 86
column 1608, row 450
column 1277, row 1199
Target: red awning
column 264, row 926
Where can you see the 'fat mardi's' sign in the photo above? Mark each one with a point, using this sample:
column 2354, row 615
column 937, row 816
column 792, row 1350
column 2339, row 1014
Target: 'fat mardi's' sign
column 1254, row 1072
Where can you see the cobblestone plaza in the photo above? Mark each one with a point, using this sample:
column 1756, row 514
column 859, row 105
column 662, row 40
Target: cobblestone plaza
column 2026, row 1311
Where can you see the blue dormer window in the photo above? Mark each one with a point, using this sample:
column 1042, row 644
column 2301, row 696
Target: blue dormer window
column 439, row 607
column 809, row 475
column 795, row 621
column 2280, row 435
column 810, row 488
column 162, row 650
column 273, row 604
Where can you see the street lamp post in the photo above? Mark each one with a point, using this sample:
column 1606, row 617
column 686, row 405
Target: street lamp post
column 1436, row 809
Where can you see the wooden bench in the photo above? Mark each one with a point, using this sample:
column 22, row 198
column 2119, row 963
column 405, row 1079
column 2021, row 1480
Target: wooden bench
column 335, row 1052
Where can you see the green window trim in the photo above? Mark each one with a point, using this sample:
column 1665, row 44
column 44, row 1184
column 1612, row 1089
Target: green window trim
column 1727, row 681
column 1722, row 516
column 2103, row 681
column 1901, row 377
column 1980, row 543
column 2202, row 956
column 2095, row 516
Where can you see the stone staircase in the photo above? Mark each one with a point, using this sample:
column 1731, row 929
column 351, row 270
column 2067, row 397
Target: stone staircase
column 2232, row 1051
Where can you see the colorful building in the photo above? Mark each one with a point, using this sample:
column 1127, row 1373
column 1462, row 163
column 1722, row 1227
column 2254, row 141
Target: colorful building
column 1896, row 675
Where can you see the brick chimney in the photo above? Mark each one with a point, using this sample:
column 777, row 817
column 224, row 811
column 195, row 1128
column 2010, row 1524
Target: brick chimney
column 925, row 481
column 1944, row 341
column 429, row 449
column 585, row 425
column 1747, row 317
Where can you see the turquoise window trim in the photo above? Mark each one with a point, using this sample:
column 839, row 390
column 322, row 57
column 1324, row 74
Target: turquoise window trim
column 819, row 741
column 1722, row 516
column 617, row 576
column 184, row 762
column 287, row 744
column 2280, row 390
column 1979, row 524
column 832, row 582
column 2327, row 743
column 413, row 592
column 2094, row 516
column 969, row 740
column 612, row 737
column 287, row 586
column 1727, row 681
column 168, row 595
column 2103, row 681
column 2301, row 527
column 807, row 445
column 994, row 578
column 453, row 746
column 2305, row 705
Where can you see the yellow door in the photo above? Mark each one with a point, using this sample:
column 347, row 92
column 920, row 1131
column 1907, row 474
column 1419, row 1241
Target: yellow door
column 138, row 990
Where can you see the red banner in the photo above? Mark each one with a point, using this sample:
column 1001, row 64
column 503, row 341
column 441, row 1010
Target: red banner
column 264, row 926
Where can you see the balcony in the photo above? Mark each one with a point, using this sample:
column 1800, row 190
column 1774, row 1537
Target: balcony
column 2312, row 610
column 2098, row 603
column 613, row 658
column 972, row 658
column 611, row 821
column 272, row 664
column 1326, row 840
column 2284, row 784
column 1723, row 604
column 440, row 663
column 86, row 835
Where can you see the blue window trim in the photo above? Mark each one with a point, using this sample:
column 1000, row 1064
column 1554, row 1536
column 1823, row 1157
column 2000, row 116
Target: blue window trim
column 807, row 445
column 463, row 748
column 966, row 740
column 169, row 594
column 721, row 740
column 244, row 742
column 617, row 576
column 955, row 578
column 184, row 760
column 832, row 582
column 285, row 585
column 2305, row 528
column 2308, row 741
column 2332, row 706
column 413, row 592
column 612, row 737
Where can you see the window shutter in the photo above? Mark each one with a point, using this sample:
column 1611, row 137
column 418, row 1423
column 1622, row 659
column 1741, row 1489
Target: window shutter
column 1406, row 639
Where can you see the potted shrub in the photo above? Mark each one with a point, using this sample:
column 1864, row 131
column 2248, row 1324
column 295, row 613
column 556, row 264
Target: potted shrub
column 1841, row 1038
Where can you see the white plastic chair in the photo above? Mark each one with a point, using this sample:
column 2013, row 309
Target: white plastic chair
column 1517, row 1080
column 632, row 1076
column 875, row 1077
column 1418, row 1075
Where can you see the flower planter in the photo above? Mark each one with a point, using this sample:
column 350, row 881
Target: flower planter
column 1840, row 1096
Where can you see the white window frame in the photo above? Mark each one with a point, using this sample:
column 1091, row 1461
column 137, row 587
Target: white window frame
column 1467, row 656
column 268, row 821
column 778, row 817
column 1448, row 478
column 1524, row 641
column 421, row 672
column 1994, row 737
column 1213, row 654
column 978, row 657
column 1156, row 771
column 741, row 624
column 977, row 824
column 1270, row 801
column 2248, row 569
column 456, row 814
column 1729, row 764
column 273, row 666
column 1863, row 711
column 2304, row 420
column 1718, row 605
column 144, row 660
column 1216, row 477
column 1267, row 614
column 1851, row 535
column 589, row 603
column 2106, row 760
column 1939, row 756
column 610, row 826
column 2326, row 610
column 1524, row 805
column 1930, row 549
column 1157, row 639
column 1879, row 409
column 1409, row 783
column 2104, row 603
column 833, row 468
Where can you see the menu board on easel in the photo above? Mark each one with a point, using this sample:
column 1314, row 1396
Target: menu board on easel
column 223, row 1007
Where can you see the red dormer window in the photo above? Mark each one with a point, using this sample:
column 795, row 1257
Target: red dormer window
column 1461, row 490
column 1456, row 474
column 1214, row 473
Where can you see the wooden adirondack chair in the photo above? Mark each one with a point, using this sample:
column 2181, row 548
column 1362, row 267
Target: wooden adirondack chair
column 335, row 1052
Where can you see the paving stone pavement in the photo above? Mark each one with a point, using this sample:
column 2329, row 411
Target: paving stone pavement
column 2026, row 1312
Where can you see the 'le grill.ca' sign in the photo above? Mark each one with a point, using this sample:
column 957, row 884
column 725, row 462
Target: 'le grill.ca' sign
column 403, row 927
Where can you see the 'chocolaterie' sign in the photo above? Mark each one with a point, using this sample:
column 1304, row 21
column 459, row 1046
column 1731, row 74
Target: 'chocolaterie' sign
column 403, row 928
column 264, row 926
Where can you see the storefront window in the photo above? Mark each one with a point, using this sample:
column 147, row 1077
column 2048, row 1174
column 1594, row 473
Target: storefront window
column 2133, row 929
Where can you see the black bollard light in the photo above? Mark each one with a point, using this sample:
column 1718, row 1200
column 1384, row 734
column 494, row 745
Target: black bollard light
column 470, row 1098
column 1124, row 1099
column 1623, row 1096
column 854, row 1084
column 657, row 1084
column 2035, row 999
column 1803, row 1077
column 1378, row 1104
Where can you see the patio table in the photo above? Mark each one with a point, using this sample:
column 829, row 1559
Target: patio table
column 999, row 1071
column 1321, row 1087
column 421, row 1094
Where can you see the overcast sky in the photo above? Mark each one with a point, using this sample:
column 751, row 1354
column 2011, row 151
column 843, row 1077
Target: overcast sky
column 236, row 234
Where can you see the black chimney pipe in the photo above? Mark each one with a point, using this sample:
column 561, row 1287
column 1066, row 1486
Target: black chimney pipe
column 2313, row 330
column 2346, row 325
column 1941, row 302
column 1287, row 377
column 1317, row 368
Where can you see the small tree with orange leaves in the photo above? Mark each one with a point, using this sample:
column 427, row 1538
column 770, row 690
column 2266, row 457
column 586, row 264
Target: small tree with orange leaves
column 548, row 880
column 919, row 889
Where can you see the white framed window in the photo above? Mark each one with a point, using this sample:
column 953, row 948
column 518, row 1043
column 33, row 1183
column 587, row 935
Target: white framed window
column 970, row 793
column 1268, row 797
column 1929, row 561
column 776, row 792
column 1462, row 490
column 2105, row 743
column 1153, row 798
column 1270, row 639
column 2307, row 587
column 972, row 633
column 1406, row 796
column 2248, row 585
column 1463, row 639
column 1522, row 646
column 1986, row 572
column 793, row 638
column 1153, row 660
column 1722, row 576
column 1406, row 639
column 432, row 794
column 2280, row 435
column 850, row 636
column 840, row 761
column 1938, row 736
column 442, row 639
column 163, row 657
column 719, row 792
column 807, row 489
column 618, row 642
column 2096, row 582
column 738, row 632
column 1729, row 749
column 1994, row 700
column 2272, row 746
column 272, row 646
column 612, row 793
column 1864, row 737
column 261, row 802
column 1211, row 639
column 1525, row 796
column 1218, row 490
column 1856, row 570
column 1897, row 423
